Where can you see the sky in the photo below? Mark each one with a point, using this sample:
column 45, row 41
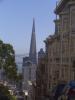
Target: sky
column 16, row 19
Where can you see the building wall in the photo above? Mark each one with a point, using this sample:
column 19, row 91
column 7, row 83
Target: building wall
column 61, row 47
column 29, row 77
column 41, row 80
column 41, row 77
column 29, row 73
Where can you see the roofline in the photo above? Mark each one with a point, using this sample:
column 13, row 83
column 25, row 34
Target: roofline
column 60, row 5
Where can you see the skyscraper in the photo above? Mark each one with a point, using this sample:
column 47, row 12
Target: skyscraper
column 29, row 65
column 32, row 53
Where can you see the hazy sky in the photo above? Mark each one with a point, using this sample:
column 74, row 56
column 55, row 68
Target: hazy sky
column 16, row 18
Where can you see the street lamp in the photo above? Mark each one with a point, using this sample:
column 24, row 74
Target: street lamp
column 26, row 94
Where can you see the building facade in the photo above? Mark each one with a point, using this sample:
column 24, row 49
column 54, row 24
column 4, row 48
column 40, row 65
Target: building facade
column 41, row 76
column 60, row 47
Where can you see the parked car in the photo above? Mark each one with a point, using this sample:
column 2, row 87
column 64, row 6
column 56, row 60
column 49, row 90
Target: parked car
column 69, row 92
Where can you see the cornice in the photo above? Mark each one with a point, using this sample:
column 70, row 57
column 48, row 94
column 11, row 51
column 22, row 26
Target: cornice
column 51, row 38
column 60, row 6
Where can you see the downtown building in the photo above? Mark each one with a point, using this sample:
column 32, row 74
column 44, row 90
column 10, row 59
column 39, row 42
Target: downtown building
column 29, row 68
column 41, row 76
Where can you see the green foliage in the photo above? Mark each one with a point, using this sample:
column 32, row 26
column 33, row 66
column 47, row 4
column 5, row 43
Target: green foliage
column 5, row 92
column 13, row 98
column 19, row 78
column 7, row 60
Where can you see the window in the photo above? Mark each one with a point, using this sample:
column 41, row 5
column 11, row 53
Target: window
column 73, row 20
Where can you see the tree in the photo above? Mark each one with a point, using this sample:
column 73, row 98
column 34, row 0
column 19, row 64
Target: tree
column 5, row 94
column 7, row 60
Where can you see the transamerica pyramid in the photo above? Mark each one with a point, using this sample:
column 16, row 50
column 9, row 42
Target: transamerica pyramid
column 32, row 53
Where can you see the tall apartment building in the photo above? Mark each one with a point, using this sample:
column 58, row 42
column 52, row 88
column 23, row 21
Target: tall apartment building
column 60, row 47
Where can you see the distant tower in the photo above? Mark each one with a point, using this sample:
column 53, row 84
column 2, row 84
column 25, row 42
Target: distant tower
column 29, row 66
column 32, row 53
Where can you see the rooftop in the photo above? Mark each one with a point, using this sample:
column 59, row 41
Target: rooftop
column 60, row 5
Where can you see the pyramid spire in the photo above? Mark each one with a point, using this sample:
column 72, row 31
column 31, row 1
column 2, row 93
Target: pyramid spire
column 32, row 53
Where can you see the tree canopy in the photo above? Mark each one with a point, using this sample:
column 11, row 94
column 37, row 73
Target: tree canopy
column 7, row 60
